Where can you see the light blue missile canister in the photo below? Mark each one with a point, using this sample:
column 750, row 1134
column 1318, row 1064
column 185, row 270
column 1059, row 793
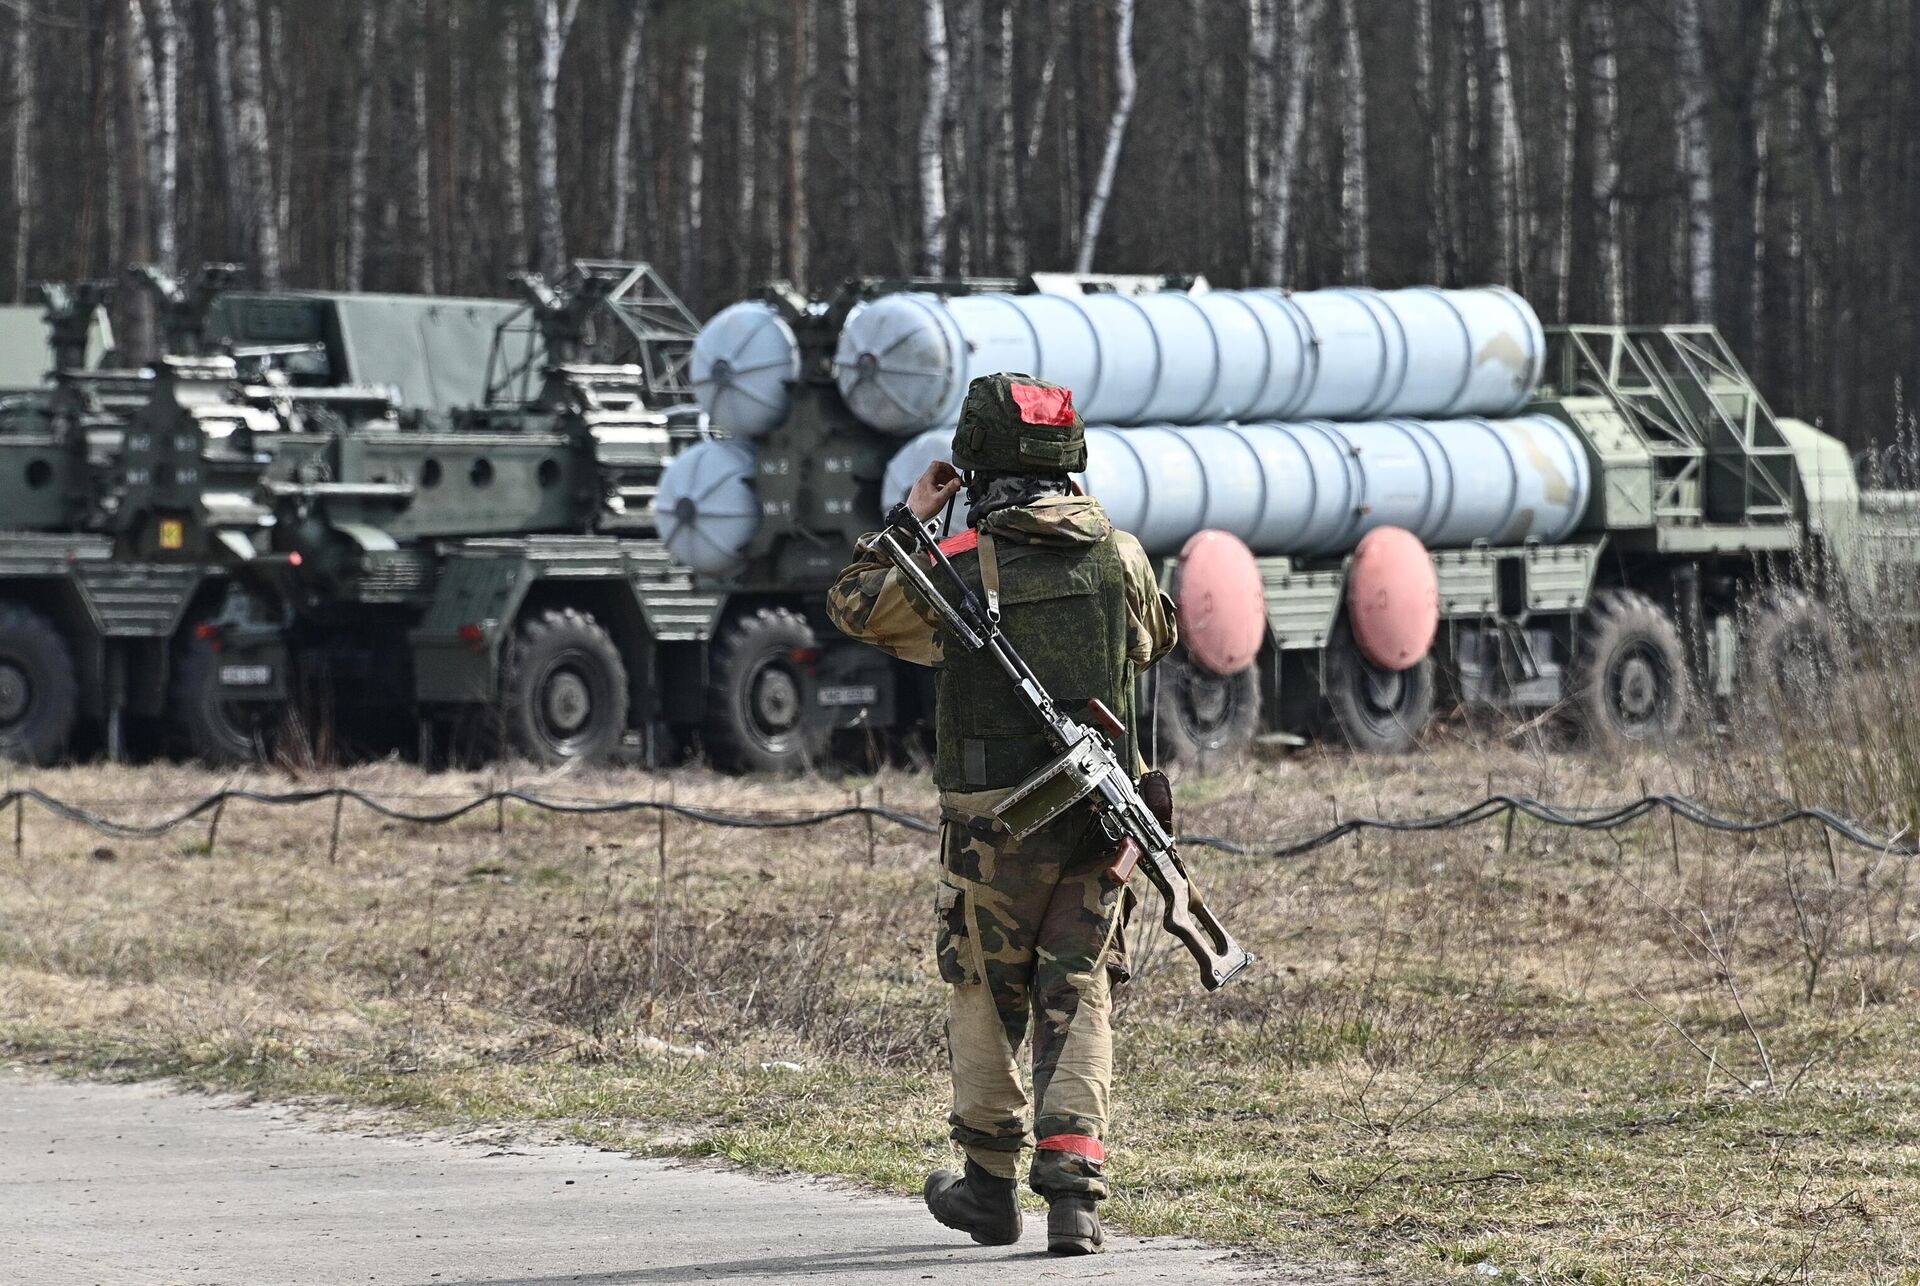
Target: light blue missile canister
column 706, row 510
column 1314, row 488
column 904, row 361
column 743, row 360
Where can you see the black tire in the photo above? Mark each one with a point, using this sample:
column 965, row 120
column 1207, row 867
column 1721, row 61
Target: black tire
column 756, row 697
column 563, row 695
column 1382, row 712
column 223, row 734
column 39, row 694
column 1193, row 717
column 1629, row 685
column 1792, row 654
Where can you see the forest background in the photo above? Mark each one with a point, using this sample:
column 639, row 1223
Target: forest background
column 1755, row 163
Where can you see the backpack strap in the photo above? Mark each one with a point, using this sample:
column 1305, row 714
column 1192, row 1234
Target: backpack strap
column 990, row 576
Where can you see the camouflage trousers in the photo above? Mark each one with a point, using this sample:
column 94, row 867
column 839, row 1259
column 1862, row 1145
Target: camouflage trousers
column 1030, row 932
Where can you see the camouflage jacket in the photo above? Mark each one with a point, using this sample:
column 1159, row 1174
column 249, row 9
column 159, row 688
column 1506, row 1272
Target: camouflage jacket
column 869, row 603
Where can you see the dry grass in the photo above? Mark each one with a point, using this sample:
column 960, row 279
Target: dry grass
column 1655, row 1056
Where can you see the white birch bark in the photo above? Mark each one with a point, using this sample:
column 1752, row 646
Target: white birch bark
column 1043, row 92
column 1262, row 101
column 147, row 97
column 553, row 23
column 853, row 175
column 802, row 69
column 163, row 36
column 1291, row 128
column 512, row 154
column 254, row 143
column 747, row 146
column 1126, row 85
column 219, row 74
column 1424, row 86
column 621, row 168
column 419, row 191
column 1604, row 96
column 1356, row 258
column 360, row 149
column 1696, row 157
column 696, row 144
column 23, row 106
column 1569, row 129
column 1762, row 161
column 767, row 149
column 931, row 146
column 1504, row 146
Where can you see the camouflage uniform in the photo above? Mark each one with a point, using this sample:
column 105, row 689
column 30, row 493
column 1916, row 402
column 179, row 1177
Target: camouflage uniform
column 1029, row 930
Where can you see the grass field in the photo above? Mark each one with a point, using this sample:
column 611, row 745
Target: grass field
column 1656, row 1055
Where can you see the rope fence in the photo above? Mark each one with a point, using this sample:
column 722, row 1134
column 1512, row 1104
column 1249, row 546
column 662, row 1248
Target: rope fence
column 1489, row 809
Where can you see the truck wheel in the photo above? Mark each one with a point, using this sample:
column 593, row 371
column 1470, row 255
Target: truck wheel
column 224, row 734
column 1194, row 717
column 39, row 695
column 563, row 696
column 1629, row 683
column 756, row 696
column 1371, row 709
column 1792, row 653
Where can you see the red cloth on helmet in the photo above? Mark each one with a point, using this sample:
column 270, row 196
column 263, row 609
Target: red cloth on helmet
column 1043, row 405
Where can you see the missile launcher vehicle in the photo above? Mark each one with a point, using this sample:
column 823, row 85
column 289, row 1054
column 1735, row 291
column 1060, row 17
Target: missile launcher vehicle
column 1592, row 508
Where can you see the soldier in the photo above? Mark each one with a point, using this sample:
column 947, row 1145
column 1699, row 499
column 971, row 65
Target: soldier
column 1029, row 931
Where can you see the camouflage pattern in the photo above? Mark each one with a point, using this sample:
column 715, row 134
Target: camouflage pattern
column 1012, row 423
column 1029, row 931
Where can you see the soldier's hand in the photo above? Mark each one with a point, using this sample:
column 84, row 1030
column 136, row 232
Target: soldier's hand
column 932, row 489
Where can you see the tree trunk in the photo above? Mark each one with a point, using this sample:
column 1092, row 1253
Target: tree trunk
column 1569, row 133
column 1262, row 102
column 1425, row 88
column 216, row 26
column 360, row 149
column 1604, row 95
column 1278, row 203
column 1504, row 146
column 932, row 145
column 1012, row 230
column 162, row 91
column 1126, row 85
column 853, row 177
column 553, row 25
column 1696, row 158
column 23, row 106
column 621, row 169
column 419, row 151
column 1356, row 258
column 513, row 169
column 802, row 68
column 1759, row 162
column 746, row 149
column 255, row 143
column 141, row 108
column 696, row 145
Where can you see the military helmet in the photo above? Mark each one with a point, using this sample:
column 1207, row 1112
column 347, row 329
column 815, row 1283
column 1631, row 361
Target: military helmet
column 1012, row 423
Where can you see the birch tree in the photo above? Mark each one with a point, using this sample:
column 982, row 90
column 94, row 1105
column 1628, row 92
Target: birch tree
column 1005, row 162
column 620, row 171
column 696, row 148
column 853, row 171
column 1696, row 157
column 1356, row 259
column 932, row 145
column 1278, row 203
column 512, row 155
column 22, row 153
column 360, row 149
column 802, row 69
column 1603, row 146
column 747, row 143
column 1261, row 108
column 254, row 143
column 1425, row 92
column 553, row 25
column 1125, row 86
column 161, row 99
column 1504, row 145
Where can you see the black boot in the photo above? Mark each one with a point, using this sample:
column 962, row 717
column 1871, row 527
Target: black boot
column 1073, row 1225
column 979, row 1204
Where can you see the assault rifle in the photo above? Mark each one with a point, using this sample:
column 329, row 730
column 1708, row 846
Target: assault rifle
column 1085, row 764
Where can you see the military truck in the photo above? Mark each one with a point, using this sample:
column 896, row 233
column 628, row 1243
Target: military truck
column 1647, row 499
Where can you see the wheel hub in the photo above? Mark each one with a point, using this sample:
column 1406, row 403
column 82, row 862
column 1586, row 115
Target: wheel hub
column 1383, row 690
column 568, row 703
column 16, row 692
column 1637, row 689
column 776, row 700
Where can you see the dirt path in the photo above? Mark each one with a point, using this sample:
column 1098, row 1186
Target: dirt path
column 134, row 1183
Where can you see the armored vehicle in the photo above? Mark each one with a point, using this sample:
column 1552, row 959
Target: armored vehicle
column 1595, row 506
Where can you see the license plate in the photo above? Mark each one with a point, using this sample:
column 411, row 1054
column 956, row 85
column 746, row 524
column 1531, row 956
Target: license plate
column 853, row 694
column 246, row 676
